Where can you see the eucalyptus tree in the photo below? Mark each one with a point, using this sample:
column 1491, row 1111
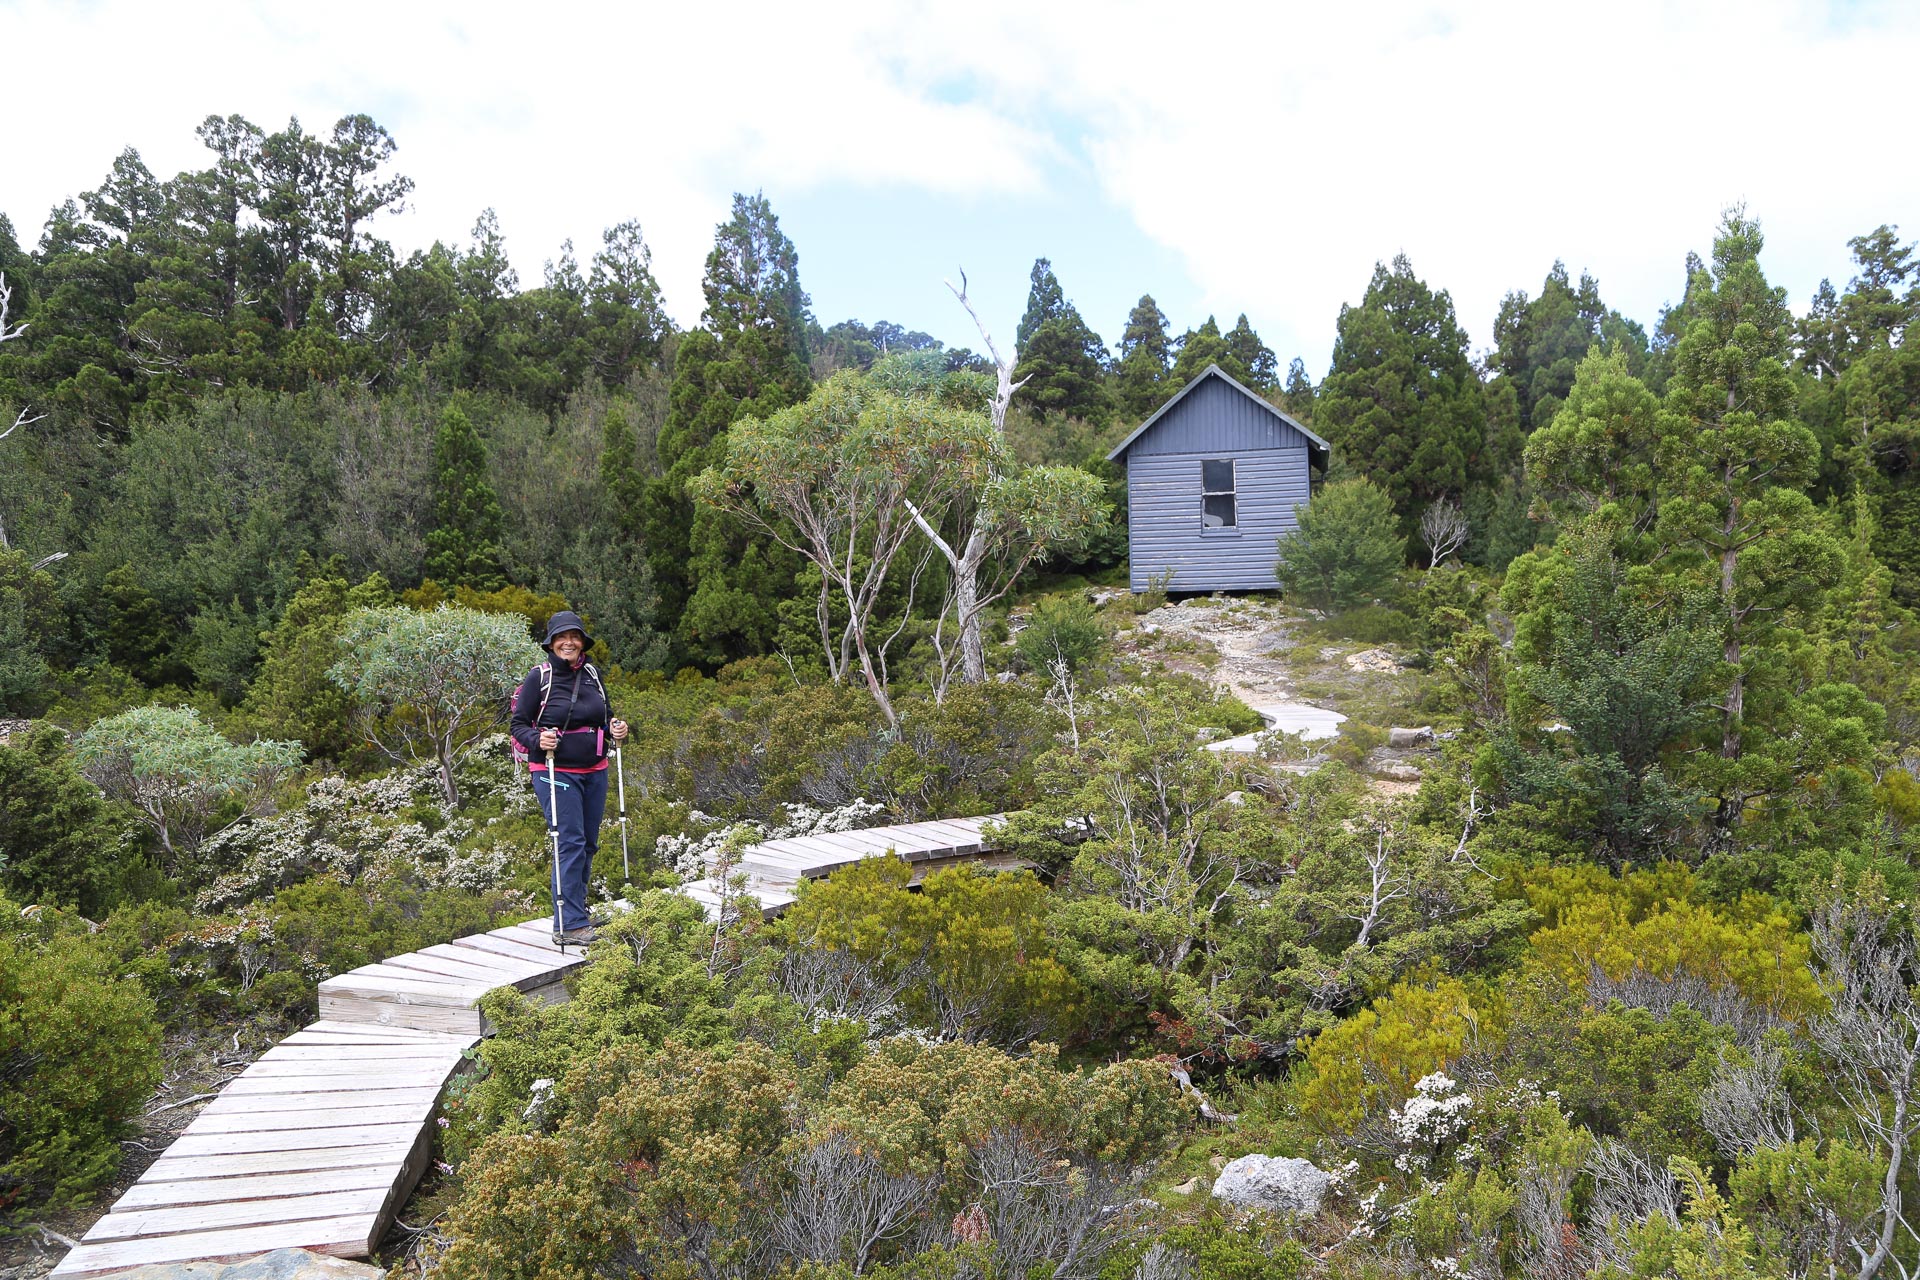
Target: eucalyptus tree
column 432, row 684
column 178, row 772
column 1008, row 518
column 840, row 479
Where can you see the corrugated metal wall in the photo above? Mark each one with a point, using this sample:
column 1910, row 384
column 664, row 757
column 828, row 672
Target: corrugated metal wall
column 1163, row 513
column 1218, row 420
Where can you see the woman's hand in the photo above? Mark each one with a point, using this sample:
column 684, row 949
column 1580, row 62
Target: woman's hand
column 619, row 730
column 549, row 739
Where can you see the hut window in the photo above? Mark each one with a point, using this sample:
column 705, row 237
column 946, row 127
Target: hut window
column 1216, row 494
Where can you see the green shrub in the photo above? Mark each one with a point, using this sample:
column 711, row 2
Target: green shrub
column 1355, row 743
column 1373, row 624
column 1347, row 549
column 1062, row 629
column 59, row 842
column 79, row 1053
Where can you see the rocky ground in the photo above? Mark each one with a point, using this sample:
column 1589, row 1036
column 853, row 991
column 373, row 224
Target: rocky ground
column 1263, row 653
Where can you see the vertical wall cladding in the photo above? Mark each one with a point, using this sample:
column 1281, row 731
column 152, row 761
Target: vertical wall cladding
column 1216, row 418
column 1165, row 530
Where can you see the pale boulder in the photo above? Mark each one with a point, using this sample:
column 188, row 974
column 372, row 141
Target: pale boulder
column 1278, row 1184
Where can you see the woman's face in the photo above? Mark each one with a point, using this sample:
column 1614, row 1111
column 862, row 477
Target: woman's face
column 569, row 645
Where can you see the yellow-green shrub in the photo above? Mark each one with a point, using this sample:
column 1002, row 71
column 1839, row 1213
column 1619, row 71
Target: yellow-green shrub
column 79, row 1052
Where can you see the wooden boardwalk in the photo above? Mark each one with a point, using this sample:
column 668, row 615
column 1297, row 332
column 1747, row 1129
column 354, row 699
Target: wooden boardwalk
column 774, row 868
column 320, row 1142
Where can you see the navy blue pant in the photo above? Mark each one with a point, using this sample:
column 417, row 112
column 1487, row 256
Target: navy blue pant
column 577, row 801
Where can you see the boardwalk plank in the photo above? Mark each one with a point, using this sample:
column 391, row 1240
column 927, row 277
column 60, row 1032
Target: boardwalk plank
column 234, row 1104
column 177, row 1220
column 324, row 1082
column 400, row 991
column 146, row 1194
column 222, row 1144
column 509, row 948
column 173, row 1168
column 345, row 1236
column 273, row 1119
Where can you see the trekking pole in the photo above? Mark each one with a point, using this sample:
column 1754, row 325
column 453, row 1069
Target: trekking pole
column 553, row 831
column 620, row 773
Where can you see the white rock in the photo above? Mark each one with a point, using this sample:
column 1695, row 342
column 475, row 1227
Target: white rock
column 1279, row 1184
column 1404, row 738
column 281, row 1264
column 1373, row 660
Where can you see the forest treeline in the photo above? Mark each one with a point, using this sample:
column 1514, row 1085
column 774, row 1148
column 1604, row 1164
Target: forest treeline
column 235, row 380
column 1623, row 988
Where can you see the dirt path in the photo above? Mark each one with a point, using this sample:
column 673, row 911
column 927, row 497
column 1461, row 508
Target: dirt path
column 1250, row 637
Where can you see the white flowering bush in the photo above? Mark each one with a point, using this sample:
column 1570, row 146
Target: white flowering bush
column 355, row 832
column 692, row 855
column 1464, row 1156
column 1432, row 1121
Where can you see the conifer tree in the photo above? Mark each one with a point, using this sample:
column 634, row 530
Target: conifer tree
column 1061, row 360
column 1253, row 355
column 1733, row 468
column 1402, row 403
column 1297, row 396
column 718, row 592
column 463, row 547
column 1202, row 347
column 1146, row 353
column 1045, row 301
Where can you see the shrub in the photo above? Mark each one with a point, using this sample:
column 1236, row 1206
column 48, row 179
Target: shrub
column 58, row 842
column 179, row 773
column 969, row 953
column 79, row 1053
column 1347, row 549
column 1373, row 624
column 1062, row 629
column 1370, row 1063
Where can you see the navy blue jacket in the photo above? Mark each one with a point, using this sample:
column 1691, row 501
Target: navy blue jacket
column 576, row 705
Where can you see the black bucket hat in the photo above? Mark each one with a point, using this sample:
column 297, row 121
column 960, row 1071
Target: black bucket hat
column 564, row 621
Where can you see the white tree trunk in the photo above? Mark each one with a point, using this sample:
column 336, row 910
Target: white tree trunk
column 966, row 566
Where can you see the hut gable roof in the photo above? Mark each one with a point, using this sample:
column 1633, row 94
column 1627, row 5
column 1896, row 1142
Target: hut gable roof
column 1318, row 450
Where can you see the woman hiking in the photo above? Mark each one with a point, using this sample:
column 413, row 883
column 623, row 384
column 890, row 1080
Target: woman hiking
column 561, row 713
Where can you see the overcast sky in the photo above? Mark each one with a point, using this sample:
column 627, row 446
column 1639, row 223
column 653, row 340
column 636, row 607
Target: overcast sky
column 1226, row 158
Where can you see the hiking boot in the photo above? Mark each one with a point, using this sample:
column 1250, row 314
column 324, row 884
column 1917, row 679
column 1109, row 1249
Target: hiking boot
column 573, row 937
column 599, row 918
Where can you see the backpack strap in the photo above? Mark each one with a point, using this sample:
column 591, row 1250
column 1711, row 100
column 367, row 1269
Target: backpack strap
column 546, row 690
column 600, row 685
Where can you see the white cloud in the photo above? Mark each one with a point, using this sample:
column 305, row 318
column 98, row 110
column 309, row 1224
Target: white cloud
column 1283, row 149
column 1279, row 150
column 563, row 120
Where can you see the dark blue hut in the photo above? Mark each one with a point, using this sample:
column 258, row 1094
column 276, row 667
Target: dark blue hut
column 1212, row 482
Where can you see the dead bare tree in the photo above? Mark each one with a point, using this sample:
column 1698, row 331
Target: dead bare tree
column 1746, row 1107
column 8, row 332
column 832, row 982
column 841, row 1203
column 1041, row 1206
column 1549, row 1243
column 966, row 562
column 1387, row 885
column 1629, row 1187
column 1443, row 528
column 1008, row 518
column 1870, row 1037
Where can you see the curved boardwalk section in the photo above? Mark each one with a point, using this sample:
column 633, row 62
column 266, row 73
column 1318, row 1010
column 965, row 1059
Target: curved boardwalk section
column 319, row 1142
column 774, row 867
